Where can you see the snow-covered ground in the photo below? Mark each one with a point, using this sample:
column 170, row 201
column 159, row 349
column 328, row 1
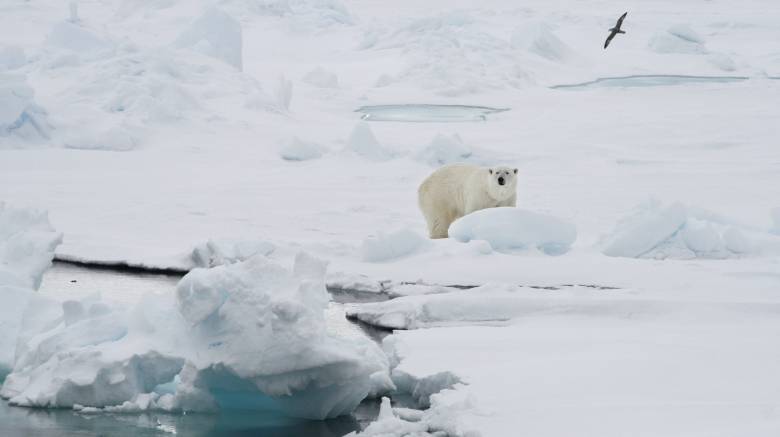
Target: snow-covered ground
column 169, row 133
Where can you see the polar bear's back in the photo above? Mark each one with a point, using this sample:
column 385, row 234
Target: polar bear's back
column 444, row 188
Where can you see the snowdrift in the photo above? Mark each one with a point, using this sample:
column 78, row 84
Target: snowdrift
column 512, row 228
column 682, row 232
column 21, row 119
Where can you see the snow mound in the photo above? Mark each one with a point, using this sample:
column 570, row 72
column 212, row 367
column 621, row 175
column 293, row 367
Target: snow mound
column 444, row 149
column 20, row 117
column 512, row 228
column 679, row 39
column 385, row 247
column 27, row 243
column 216, row 34
column 248, row 335
column 78, row 40
column 538, row 38
column 300, row 150
column 220, row 252
column 321, row 78
column 363, row 143
column 677, row 231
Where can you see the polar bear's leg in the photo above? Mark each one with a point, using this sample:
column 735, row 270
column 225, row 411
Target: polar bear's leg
column 439, row 228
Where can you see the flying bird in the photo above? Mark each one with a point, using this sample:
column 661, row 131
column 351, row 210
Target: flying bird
column 615, row 30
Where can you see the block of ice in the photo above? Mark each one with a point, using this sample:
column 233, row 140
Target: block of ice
column 216, row 34
column 247, row 335
column 217, row 252
column 300, row 150
column 513, row 228
column 363, row 143
column 20, row 116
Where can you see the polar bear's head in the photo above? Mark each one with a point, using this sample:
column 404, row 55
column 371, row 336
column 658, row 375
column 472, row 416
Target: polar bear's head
column 502, row 182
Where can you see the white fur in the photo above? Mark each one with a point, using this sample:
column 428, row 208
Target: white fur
column 455, row 190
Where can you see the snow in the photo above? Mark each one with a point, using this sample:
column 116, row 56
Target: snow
column 509, row 228
column 385, row 247
column 20, row 117
column 677, row 231
column 248, row 335
column 444, row 149
column 363, row 143
column 217, row 34
column 27, row 244
column 301, row 150
column 674, row 334
column 321, row 78
column 218, row 252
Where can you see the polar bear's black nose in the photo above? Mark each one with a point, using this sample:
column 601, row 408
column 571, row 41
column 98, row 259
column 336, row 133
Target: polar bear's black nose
column 501, row 180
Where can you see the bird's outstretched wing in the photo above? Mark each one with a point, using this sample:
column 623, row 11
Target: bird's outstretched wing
column 609, row 38
column 620, row 20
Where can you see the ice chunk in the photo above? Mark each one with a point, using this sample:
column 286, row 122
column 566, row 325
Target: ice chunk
column 684, row 233
column 387, row 424
column 444, row 149
column 300, row 150
column 512, row 228
column 27, row 243
column 384, row 247
column 678, row 39
column 227, row 251
column 321, row 78
column 20, row 116
column 363, row 143
column 644, row 231
column 216, row 34
column 263, row 345
column 248, row 335
column 538, row 38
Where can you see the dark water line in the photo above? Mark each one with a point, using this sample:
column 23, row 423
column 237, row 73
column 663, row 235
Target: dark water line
column 121, row 267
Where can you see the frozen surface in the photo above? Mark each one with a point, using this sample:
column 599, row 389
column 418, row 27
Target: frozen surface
column 201, row 159
column 387, row 246
column 217, row 34
column 513, row 228
column 426, row 113
column 249, row 335
column 677, row 231
column 27, row 244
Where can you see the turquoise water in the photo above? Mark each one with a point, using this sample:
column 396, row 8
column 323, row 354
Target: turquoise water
column 649, row 80
column 76, row 282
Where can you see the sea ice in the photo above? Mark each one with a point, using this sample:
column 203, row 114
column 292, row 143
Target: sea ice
column 512, row 228
column 444, row 149
column 217, row 34
column 300, row 150
column 363, row 143
column 385, row 247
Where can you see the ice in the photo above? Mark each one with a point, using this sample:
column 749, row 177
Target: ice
column 283, row 94
column 444, row 149
column 775, row 220
column 512, row 228
column 321, row 78
column 362, row 142
column 21, row 119
column 27, row 243
column 217, row 34
column 217, row 252
column 79, row 40
column 301, row 150
column 678, row 38
column 388, row 424
column 539, row 38
column 385, row 247
column 12, row 57
column 246, row 335
column 677, row 231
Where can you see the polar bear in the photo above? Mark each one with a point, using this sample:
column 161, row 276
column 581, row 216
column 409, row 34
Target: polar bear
column 455, row 190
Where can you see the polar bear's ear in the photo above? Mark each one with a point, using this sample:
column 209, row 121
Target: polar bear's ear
column 515, row 171
column 490, row 170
